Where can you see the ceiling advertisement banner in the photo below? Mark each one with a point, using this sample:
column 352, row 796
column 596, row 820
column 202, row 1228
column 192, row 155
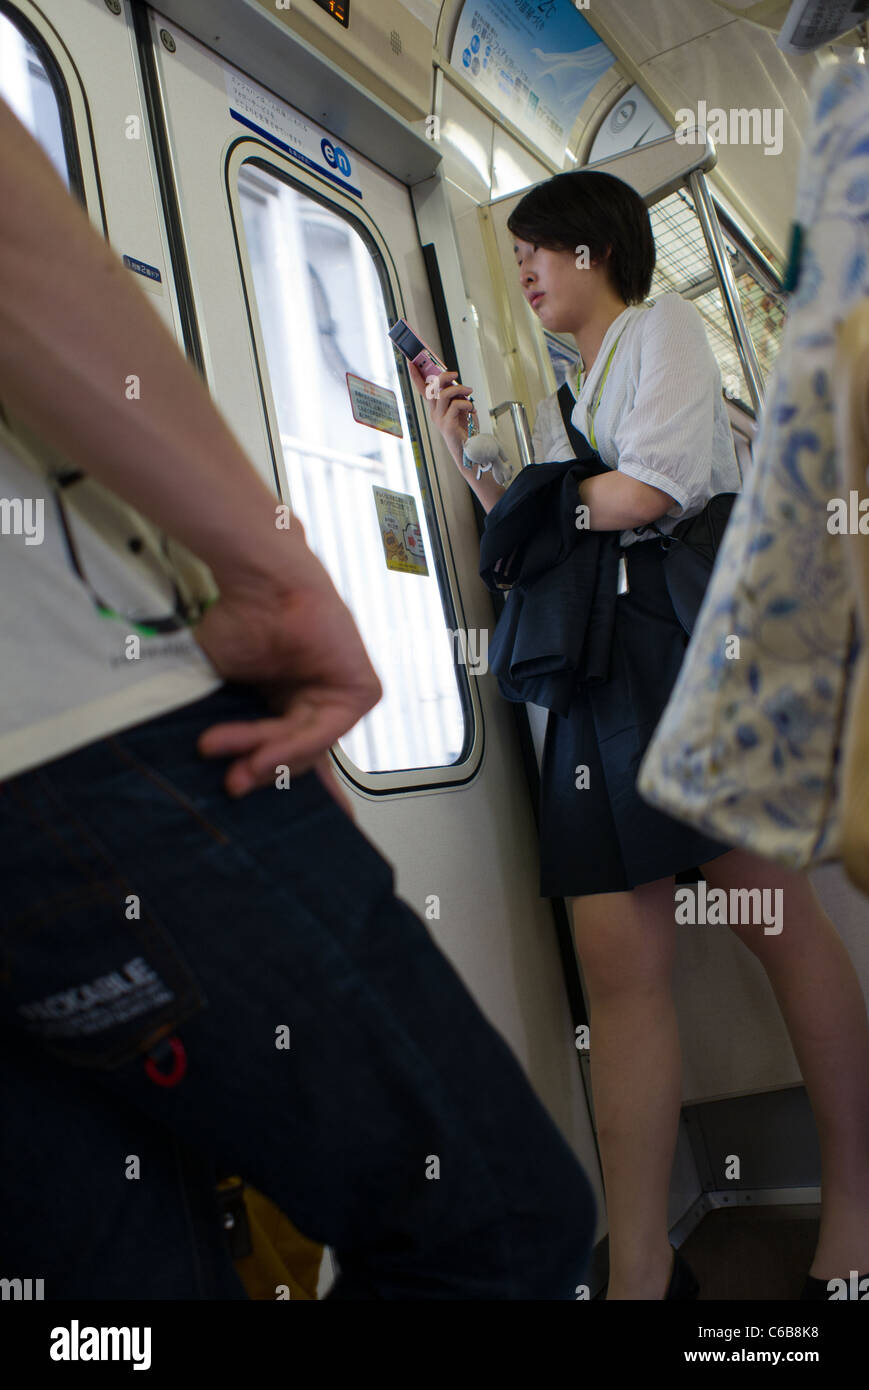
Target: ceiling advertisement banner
column 535, row 61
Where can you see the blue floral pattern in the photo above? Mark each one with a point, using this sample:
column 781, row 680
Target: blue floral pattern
column 748, row 748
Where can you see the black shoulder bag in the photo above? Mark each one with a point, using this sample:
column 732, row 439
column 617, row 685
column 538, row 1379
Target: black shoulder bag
column 690, row 550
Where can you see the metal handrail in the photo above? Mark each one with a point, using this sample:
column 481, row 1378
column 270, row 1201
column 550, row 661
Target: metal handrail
column 708, row 218
column 520, row 425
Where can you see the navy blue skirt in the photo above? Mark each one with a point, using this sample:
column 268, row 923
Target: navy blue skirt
column 602, row 837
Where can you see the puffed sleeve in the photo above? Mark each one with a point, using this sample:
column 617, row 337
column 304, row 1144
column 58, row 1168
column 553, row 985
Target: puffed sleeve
column 665, row 439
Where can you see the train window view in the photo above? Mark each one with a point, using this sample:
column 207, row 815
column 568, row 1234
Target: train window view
column 322, row 316
column 26, row 86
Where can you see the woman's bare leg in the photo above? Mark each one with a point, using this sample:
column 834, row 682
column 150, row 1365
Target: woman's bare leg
column 823, row 1007
column 625, row 946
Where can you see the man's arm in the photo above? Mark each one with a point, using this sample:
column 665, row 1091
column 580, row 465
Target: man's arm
column 73, row 327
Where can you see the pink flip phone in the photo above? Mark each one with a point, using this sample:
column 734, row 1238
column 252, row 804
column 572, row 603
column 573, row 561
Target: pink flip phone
column 415, row 350
column 428, row 362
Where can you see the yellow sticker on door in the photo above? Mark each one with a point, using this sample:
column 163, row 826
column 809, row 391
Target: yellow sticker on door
column 400, row 532
column 372, row 405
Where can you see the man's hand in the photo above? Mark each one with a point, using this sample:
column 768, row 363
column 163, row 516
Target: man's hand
column 302, row 649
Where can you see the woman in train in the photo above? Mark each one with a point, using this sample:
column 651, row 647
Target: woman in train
column 649, row 397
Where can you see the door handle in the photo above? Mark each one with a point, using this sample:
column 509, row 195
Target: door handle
column 520, row 425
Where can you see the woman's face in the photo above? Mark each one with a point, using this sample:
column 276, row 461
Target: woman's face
column 561, row 293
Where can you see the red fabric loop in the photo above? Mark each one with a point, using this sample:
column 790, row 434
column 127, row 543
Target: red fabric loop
column 179, row 1066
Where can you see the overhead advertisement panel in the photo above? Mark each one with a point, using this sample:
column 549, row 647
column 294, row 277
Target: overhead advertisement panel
column 535, row 61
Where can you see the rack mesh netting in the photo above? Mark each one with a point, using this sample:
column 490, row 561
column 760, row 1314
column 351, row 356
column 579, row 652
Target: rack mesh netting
column 684, row 266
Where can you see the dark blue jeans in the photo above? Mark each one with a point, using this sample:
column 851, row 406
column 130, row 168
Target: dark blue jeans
column 396, row 1127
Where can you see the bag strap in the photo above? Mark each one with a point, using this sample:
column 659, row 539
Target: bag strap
column 715, row 514
column 579, row 444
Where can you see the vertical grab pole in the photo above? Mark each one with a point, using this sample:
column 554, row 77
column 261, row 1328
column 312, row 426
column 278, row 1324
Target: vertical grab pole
column 520, row 425
column 721, row 261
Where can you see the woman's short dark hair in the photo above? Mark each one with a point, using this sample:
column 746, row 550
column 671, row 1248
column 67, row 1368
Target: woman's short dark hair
column 587, row 208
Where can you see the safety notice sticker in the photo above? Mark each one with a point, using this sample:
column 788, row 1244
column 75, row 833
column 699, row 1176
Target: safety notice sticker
column 399, row 529
column 150, row 272
column 373, row 405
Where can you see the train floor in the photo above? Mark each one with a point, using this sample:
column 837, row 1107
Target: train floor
column 748, row 1254
column 752, row 1254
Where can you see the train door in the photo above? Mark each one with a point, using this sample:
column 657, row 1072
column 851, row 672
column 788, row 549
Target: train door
column 301, row 252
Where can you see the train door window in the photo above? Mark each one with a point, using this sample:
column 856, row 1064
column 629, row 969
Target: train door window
column 25, row 86
column 322, row 297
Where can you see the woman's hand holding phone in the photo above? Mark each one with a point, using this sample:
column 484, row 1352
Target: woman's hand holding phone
column 448, row 408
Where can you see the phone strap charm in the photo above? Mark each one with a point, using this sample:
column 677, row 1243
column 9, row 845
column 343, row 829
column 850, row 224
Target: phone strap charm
column 483, row 452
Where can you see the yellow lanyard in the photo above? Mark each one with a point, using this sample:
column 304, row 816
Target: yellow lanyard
column 592, row 410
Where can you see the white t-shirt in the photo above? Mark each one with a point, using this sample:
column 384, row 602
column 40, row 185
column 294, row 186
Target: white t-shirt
column 661, row 417
column 65, row 676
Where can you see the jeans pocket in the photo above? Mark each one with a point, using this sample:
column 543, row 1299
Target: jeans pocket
column 92, row 978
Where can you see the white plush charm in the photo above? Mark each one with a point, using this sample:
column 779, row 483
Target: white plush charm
column 485, row 453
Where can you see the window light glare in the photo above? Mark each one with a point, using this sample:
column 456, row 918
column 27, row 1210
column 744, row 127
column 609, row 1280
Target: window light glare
column 466, row 145
column 506, row 174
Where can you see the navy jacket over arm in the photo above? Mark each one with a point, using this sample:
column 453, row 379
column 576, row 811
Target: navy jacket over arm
column 556, row 627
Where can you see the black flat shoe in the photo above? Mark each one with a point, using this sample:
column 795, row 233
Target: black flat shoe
column 815, row 1289
column 683, row 1283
